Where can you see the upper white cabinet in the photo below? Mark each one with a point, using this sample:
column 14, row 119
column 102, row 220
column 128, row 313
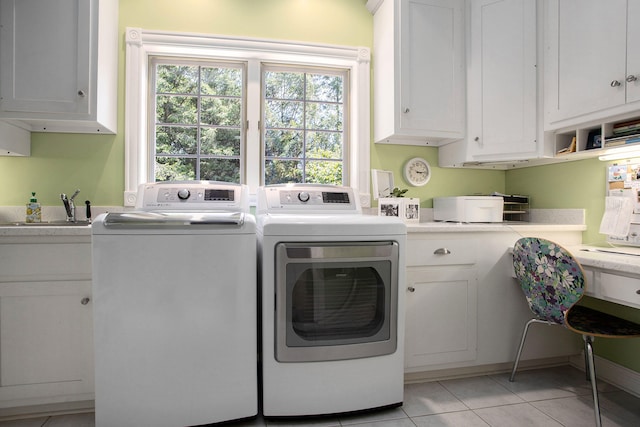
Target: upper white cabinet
column 502, row 78
column 591, row 75
column 502, row 85
column 14, row 140
column 58, row 64
column 419, row 87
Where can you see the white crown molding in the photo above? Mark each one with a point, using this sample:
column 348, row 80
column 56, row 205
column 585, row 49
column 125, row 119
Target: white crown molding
column 373, row 5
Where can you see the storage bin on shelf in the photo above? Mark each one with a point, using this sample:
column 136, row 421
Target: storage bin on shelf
column 516, row 208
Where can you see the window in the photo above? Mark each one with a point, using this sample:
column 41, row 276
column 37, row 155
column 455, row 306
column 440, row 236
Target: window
column 218, row 108
column 197, row 126
column 304, row 125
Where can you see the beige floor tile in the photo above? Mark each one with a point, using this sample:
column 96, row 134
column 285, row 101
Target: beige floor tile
column 521, row 415
column 451, row 419
column 429, row 398
column 480, row 392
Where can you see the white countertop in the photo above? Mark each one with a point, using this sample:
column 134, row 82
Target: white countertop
column 626, row 260
column 457, row 227
column 48, row 230
column 423, row 227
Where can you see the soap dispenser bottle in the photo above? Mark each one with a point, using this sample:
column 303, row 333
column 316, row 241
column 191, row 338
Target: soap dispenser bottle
column 34, row 211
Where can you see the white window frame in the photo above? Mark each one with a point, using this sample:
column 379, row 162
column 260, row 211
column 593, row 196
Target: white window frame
column 141, row 44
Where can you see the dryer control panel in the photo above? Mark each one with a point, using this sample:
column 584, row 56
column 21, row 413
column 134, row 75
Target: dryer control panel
column 307, row 198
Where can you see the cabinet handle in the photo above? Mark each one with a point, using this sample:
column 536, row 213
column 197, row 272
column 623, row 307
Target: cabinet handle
column 81, row 93
column 638, row 292
column 406, row 110
column 476, row 139
column 631, row 78
column 442, row 251
column 85, row 301
column 615, row 83
column 411, row 289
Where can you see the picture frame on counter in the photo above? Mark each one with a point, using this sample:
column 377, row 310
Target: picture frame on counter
column 405, row 208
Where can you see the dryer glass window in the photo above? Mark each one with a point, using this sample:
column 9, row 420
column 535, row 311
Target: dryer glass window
column 337, row 303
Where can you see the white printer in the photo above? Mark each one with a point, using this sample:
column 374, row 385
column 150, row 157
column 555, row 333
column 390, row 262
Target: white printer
column 468, row 209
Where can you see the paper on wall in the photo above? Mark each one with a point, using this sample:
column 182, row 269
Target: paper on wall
column 616, row 220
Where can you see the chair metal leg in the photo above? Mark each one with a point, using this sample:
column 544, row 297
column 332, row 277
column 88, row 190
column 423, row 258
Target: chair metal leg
column 591, row 368
column 587, row 374
column 524, row 336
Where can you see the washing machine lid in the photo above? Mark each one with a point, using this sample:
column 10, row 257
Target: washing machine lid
column 173, row 219
column 168, row 223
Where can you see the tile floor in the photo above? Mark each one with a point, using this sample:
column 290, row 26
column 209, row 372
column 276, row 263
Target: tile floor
column 549, row 397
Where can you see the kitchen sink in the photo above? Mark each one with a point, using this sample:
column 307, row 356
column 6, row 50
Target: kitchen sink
column 46, row 224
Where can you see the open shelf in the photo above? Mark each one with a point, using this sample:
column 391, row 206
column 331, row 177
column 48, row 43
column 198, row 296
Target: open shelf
column 597, row 139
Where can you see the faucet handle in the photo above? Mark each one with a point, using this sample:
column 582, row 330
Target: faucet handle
column 88, row 203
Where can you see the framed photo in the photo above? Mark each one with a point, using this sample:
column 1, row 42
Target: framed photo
column 407, row 209
column 389, row 206
column 411, row 208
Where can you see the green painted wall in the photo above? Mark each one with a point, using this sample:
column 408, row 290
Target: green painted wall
column 443, row 182
column 580, row 184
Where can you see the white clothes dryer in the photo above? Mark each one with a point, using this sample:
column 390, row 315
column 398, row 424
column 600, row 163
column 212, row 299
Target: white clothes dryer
column 332, row 310
column 175, row 301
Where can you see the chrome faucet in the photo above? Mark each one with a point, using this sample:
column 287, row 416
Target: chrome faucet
column 70, row 206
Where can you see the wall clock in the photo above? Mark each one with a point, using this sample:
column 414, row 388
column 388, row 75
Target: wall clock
column 417, row 171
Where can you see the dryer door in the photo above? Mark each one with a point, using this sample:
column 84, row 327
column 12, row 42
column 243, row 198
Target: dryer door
column 336, row 300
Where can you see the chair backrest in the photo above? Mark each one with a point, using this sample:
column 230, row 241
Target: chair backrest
column 551, row 278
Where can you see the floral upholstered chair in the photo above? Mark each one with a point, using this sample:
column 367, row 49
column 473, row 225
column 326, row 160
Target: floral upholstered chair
column 553, row 282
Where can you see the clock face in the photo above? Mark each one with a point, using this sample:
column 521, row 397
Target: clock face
column 417, row 171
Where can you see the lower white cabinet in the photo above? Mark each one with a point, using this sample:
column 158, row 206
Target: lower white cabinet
column 442, row 315
column 43, row 333
column 46, row 322
column 464, row 308
column 442, row 299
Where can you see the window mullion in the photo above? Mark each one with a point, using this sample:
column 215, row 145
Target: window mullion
column 254, row 147
column 304, row 128
column 198, row 124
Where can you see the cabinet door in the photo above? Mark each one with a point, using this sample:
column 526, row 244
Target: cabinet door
column 46, row 344
column 432, row 73
column 633, row 51
column 44, row 56
column 581, row 63
column 502, row 79
column 441, row 316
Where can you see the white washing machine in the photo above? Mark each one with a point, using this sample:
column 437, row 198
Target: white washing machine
column 175, row 301
column 332, row 310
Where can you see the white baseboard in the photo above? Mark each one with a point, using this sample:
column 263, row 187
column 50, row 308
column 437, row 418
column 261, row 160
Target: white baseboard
column 608, row 371
column 475, row 370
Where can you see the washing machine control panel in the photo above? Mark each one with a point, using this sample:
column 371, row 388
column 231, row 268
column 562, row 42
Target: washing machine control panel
column 193, row 195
